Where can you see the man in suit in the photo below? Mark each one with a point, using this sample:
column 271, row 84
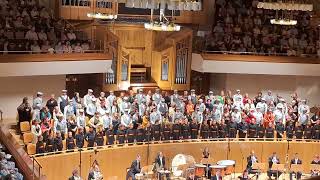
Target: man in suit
column 217, row 176
column 296, row 160
column 251, row 159
column 160, row 164
column 75, row 175
column 135, row 168
column 273, row 159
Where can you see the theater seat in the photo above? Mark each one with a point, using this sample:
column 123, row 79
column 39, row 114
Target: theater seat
column 25, row 127
column 31, row 149
column 27, row 138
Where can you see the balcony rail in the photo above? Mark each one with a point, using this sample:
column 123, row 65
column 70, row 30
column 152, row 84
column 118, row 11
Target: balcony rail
column 259, row 53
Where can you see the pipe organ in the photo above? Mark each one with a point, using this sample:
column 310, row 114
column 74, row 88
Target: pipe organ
column 159, row 58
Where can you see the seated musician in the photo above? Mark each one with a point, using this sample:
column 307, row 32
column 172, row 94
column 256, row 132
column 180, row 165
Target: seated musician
column 295, row 160
column 206, row 156
column 217, row 176
column 134, row 169
column 251, row 159
column 95, row 173
column 273, row 159
column 316, row 160
column 75, row 175
column 160, row 164
column 245, row 175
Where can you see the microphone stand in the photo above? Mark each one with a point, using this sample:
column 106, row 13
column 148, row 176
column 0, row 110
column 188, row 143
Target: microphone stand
column 148, row 147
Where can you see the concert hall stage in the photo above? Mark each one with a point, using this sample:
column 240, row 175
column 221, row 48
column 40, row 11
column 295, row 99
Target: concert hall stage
column 115, row 160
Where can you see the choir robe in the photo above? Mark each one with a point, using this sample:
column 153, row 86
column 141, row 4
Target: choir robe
column 194, row 130
column 40, row 147
column 131, row 134
column 176, row 131
column 70, row 143
column 308, row 132
column 222, row 131
column 121, row 136
column 270, row 133
column 298, row 132
column 156, row 132
column 140, row 135
column 99, row 139
column 252, row 130
column 261, row 131
column 110, row 136
column 185, row 130
column 243, row 127
column 204, row 131
column 232, row 130
column 214, row 131
column 166, row 132
column 80, row 140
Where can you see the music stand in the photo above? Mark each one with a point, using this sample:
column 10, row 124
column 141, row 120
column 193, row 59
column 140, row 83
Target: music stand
column 296, row 168
column 206, row 162
column 259, row 166
column 314, row 167
column 278, row 167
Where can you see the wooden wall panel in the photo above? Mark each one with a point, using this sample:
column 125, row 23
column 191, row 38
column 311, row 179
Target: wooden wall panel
column 114, row 161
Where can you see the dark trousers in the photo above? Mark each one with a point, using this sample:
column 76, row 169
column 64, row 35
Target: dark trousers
column 298, row 175
column 130, row 174
column 273, row 173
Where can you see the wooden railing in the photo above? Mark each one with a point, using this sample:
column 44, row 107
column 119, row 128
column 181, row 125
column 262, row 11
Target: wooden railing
column 13, row 58
column 29, row 167
column 257, row 58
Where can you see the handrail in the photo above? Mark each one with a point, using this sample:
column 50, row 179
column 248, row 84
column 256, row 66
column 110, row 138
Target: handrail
column 173, row 141
column 33, row 167
column 255, row 53
column 23, row 160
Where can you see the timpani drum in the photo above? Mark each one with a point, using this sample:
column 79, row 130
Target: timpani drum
column 229, row 166
column 139, row 176
column 200, row 170
column 215, row 168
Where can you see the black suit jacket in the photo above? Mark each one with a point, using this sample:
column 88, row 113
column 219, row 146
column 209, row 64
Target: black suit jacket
column 271, row 163
column 135, row 167
column 216, row 178
column 249, row 161
column 293, row 161
column 157, row 161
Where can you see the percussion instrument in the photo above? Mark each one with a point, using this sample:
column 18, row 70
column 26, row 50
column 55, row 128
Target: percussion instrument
column 229, row 166
column 200, row 170
column 215, row 168
column 180, row 162
column 139, row 176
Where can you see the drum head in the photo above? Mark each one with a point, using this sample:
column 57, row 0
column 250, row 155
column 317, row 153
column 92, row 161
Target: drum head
column 200, row 166
column 217, row 167
column 226, row 162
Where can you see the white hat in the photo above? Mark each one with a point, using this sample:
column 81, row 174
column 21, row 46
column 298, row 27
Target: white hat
column 90, row 90
column 279, row 106
column 192, row 90
column 64, row 91
column 39, row 93
column 238, row 90
column 263, row 99
column 210, row 92
column 200, row 100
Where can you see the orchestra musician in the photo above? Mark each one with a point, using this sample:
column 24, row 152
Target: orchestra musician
column 245, row 175
column 296, row 160
column 75, row 175
column 251, row 159
column 217, row 176
column 316, row 160
column 135, row 168
column 95, row 173
column 273, row 159
column 160, row 164
column 205, row 157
